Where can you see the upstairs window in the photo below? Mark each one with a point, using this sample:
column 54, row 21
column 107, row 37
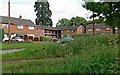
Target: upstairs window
column 31, row 28
column 20, row 27
column 4, row 25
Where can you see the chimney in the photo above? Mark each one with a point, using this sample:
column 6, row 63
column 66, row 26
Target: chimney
column 20, row 17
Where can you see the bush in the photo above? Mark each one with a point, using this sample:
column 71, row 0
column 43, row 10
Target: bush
column 1, row 34
column 44, row 38
column 80, row 35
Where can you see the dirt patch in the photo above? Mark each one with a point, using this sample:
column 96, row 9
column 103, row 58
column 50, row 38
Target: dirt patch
column 30, row 60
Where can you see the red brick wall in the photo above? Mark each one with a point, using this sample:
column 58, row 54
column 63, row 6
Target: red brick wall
column 0, row 26
column 25, row 30
column 80, row 30
column 69, row 32
column 102, row 30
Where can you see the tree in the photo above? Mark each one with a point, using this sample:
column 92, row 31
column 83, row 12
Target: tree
column 1, row 34
column 43, row 13
column 64, row 22
column 99, row 20
column 109, row 10
column 73, row 21
column 78, row 20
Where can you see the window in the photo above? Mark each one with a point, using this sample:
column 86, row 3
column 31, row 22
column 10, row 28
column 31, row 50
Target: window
column 116, row 28
column 97, row 29
column 72, row 30
column 107, row 28
column 36, row 28
column 4, row 25
column 20, row 27
column 31, row 28
column 67, row 30
column 89, row 29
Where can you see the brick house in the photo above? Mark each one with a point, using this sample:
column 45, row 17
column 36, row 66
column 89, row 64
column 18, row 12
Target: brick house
column 68, row 30
column 51, row 32
column 24, row 28
column 100, row 28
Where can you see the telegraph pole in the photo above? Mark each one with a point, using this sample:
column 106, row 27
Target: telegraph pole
column 93, row 25
column 9, row 21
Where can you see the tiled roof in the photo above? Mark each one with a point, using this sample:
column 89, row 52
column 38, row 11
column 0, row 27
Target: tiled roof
column 47, row 27
column 59, row 28
column 68, row 27
column 16, row 21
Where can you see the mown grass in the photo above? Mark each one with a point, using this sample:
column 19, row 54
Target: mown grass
column 86, row 54
column 6, row 46
column 36, row 51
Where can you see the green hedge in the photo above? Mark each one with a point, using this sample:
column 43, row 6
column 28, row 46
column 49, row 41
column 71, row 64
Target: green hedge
column 1, row 34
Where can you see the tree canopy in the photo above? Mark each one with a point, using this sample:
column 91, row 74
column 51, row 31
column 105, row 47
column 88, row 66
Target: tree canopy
column 43, row 13
column 64, row 22
column 73, row 21
column 109, row 11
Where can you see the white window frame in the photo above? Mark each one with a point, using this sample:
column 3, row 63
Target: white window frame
column 67, row 30
column 72, row 30
column 31, row 27
column 89, row 29
column 116, row 28
column 4, row 25
column 97, row 29
column 107, row 28
column 20, row 27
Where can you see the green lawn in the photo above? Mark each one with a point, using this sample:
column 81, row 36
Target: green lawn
column 86, row 54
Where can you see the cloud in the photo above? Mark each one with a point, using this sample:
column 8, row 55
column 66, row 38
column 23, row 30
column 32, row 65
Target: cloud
column 60, row 9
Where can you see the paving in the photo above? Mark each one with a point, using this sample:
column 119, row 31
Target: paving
column 10, row 51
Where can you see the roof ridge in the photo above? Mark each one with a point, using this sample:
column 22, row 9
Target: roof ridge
column 15, row 18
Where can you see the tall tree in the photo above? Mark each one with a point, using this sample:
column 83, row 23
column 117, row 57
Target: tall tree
column 99, row 20
column 78, row 20
column 73, row 21
column 64, row 22
column 43, row 13
column 109, row 11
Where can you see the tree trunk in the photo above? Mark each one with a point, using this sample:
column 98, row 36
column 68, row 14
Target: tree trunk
column 113, row 30
column 85, row 30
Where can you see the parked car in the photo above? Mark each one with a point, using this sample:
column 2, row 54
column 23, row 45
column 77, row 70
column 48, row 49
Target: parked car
column 66, row 39
column 5, row 39
column 17, row 39
column 54, row 39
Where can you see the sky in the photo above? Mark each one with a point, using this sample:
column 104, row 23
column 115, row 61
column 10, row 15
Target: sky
column 60, row 9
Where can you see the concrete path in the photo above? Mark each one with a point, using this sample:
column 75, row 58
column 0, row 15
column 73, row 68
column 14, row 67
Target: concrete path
column 10, row 51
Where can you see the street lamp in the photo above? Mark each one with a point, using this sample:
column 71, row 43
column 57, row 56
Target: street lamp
column 9, row 21
column 93, row 25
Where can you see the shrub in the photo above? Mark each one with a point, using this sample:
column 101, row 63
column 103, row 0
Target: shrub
column 1, row 34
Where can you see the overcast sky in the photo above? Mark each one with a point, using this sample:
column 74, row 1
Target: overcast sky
column 60, row 9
